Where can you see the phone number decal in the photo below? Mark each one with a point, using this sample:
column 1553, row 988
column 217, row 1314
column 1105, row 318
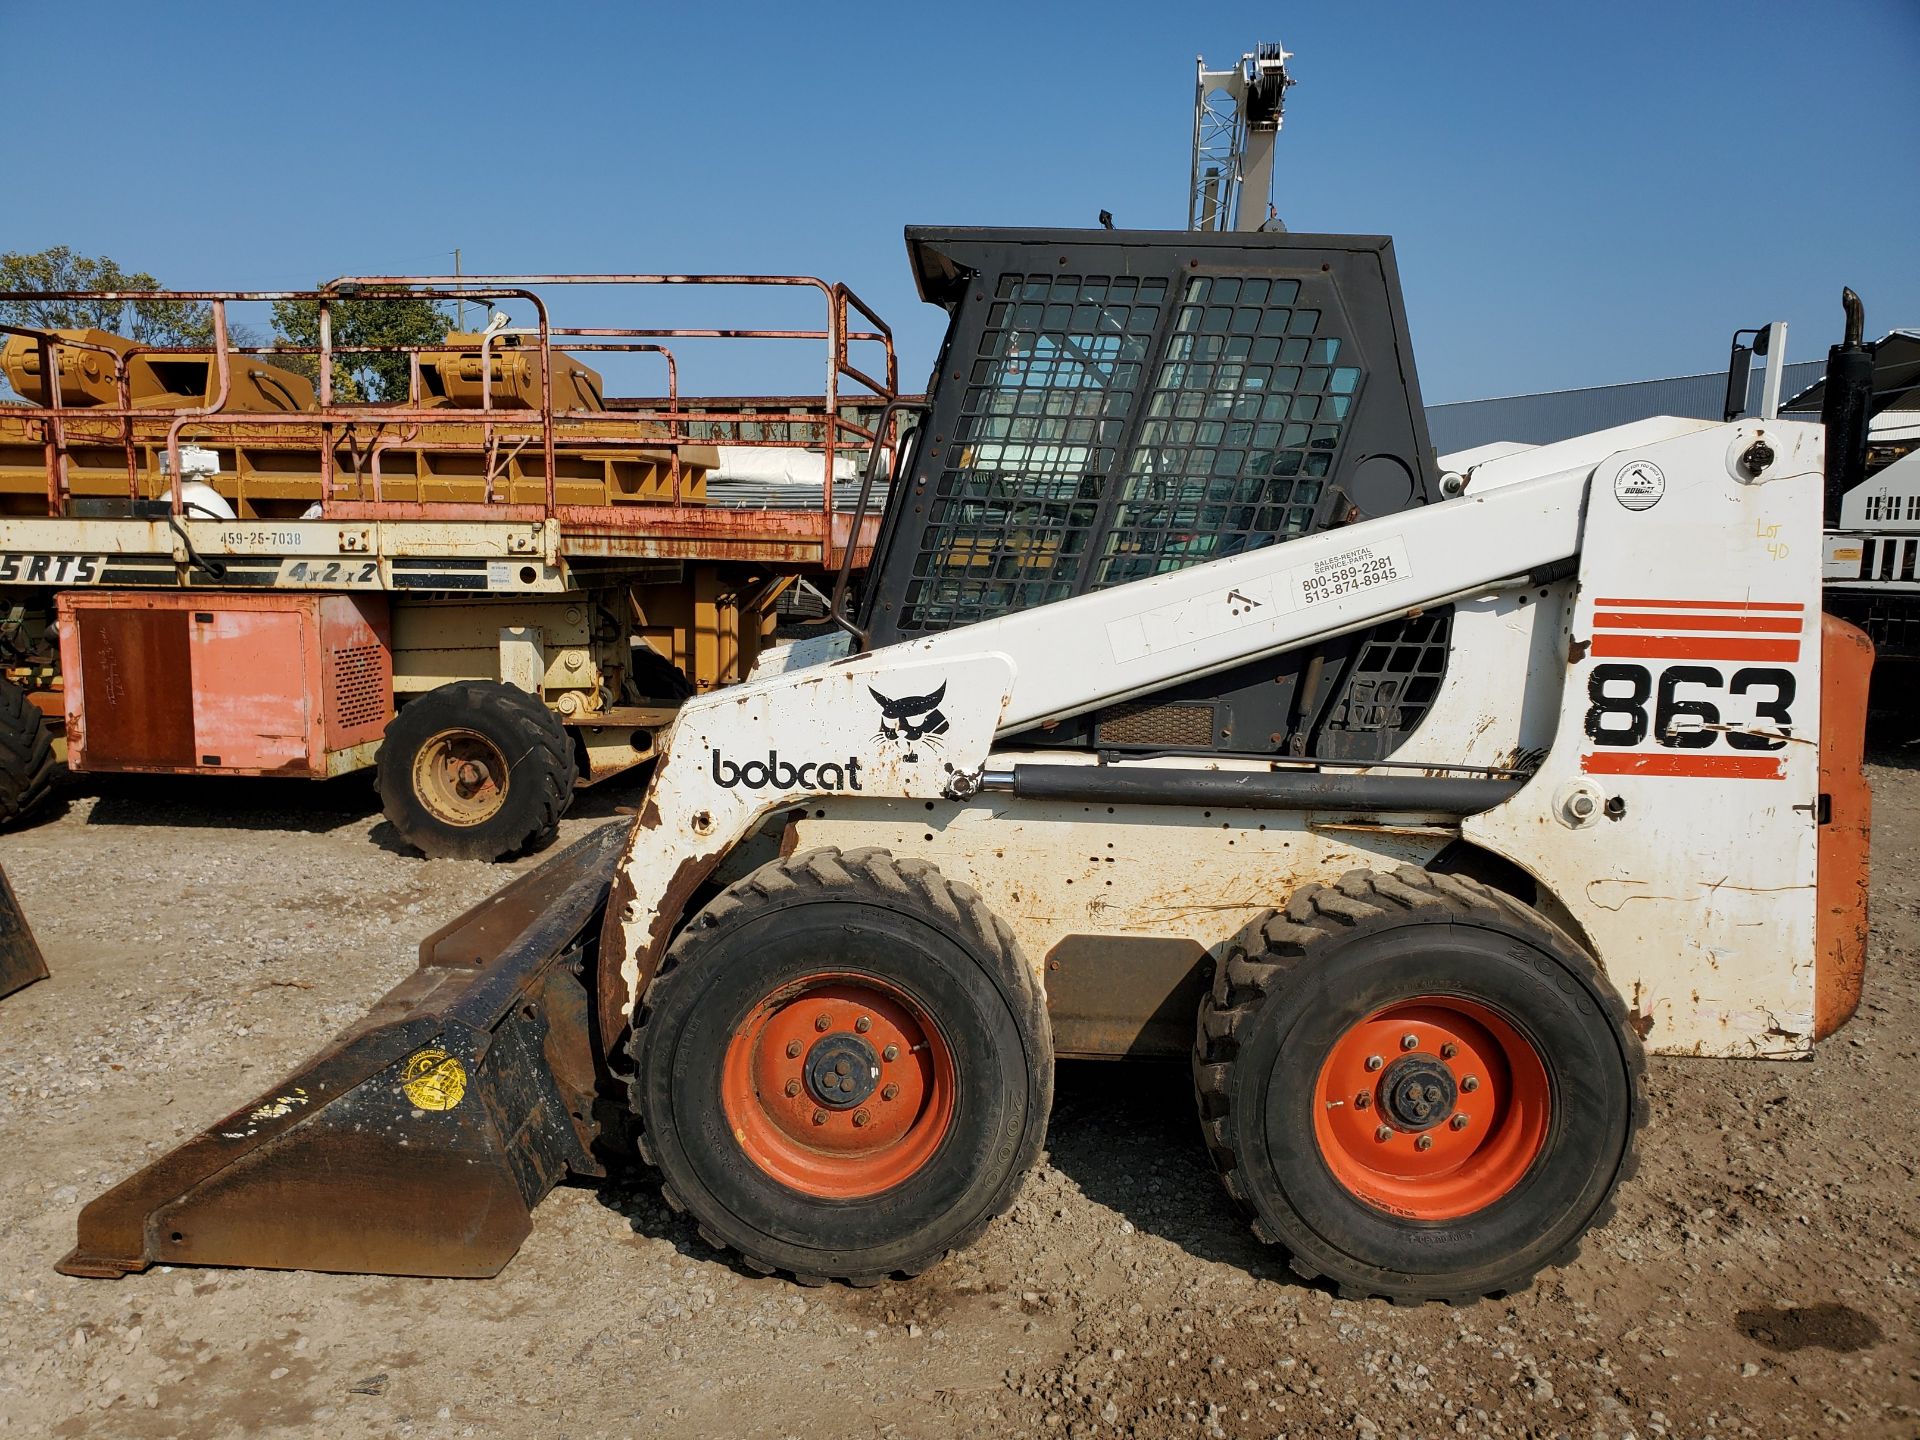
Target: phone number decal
column 1365, row 567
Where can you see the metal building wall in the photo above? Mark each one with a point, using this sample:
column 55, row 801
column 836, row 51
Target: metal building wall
column 1560, row 414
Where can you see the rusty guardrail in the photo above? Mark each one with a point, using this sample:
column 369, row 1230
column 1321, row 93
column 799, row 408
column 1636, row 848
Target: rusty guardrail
column 337, row 423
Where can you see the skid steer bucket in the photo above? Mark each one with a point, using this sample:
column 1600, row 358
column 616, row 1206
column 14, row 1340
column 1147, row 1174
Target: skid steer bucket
column 420, row 1139
column 20, row 960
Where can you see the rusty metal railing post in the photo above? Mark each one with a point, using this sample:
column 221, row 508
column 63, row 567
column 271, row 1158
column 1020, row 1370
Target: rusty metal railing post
column 546, row 409
column 325, row 382
column 674, row 425
column 836, row 357
column 844, row 301
column 52, row 438
column 123, row 390
column 488, row 436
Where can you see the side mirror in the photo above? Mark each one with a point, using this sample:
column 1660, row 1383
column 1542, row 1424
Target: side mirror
column 1769, row 342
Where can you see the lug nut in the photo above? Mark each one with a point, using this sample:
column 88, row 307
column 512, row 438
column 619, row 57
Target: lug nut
column 793, row 1088
column 1385, row 1132
column 892, row 1052
column 1459, row 1122
column 1425, row 1142
column 863, row 1024
column 1374, row 1062
column 793, row 1049
column 823, row 1022
column 1407, row 1042
column 1449, row 1050
column 1362, row 1100
column 1470, row 1084
column 861, row 1117
column 1431, row 1093
column 819, row 1117
column 841, row 1067
column 892, row 1092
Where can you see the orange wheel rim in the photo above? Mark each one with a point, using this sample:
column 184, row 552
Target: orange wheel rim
column 1431, row 1109
column 838, row 1086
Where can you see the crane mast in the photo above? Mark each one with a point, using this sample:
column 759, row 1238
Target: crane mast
column 1236, row 118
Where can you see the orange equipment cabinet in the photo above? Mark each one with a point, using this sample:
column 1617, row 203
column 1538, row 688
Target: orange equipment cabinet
column 274, row 683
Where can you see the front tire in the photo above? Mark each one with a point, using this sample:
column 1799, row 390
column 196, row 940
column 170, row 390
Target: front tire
column 27, row 766
column 476, row 770
column 843, row 1069
column 1418, row 1086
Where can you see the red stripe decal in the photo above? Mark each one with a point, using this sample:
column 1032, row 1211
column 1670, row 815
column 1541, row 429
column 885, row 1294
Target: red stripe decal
column 1708, row 767
column 1704, row 604
column 1693, row 647
column 1778, row 624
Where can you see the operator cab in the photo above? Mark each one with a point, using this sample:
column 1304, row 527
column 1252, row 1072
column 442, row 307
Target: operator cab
column 1112, row 405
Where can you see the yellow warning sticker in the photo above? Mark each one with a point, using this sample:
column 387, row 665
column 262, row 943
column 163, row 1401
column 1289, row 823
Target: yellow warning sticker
column 434, row 1080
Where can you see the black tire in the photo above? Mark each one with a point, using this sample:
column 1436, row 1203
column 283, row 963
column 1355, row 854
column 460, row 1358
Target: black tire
column 508, row 731
column 863, row 917
column 27, row 766
column 1297, row 983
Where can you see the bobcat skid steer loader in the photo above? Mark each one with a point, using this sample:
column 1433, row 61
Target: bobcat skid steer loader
column 1192, row 711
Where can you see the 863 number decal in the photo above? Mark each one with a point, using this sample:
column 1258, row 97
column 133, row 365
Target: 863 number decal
column 1621, row 714
column 1671, row 721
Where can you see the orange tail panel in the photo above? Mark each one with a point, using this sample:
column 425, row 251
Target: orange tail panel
column 1840, row 933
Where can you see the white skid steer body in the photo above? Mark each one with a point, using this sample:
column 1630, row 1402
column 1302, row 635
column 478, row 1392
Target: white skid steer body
column 1637, row 640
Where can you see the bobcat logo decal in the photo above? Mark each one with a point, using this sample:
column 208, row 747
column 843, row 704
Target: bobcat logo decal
column 911, row 720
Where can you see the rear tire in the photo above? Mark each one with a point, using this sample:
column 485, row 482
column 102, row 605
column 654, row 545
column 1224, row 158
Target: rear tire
column 1454, row 1166
column 27, row 766
column 753, row 1072
column 476, row 770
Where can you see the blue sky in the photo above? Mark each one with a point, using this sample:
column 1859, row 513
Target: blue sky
column 1578, row 194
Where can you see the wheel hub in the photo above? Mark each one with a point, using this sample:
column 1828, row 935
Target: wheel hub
column 1417, row 1092
column 1446, row 1126
column 842, row 1070
column 838, row 1086
column 460, row 777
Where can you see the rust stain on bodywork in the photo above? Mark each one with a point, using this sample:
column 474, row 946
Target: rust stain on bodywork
column 615, row 997
column 1638, row 1019
column 610, row 990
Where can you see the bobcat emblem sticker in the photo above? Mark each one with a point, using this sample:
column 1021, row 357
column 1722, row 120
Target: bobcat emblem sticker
column 912, row 720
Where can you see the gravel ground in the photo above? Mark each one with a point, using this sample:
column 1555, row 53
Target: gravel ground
column 1760, row 1278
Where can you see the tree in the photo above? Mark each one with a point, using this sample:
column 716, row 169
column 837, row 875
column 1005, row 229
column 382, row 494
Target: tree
column 148, row 322
column 409, row 320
